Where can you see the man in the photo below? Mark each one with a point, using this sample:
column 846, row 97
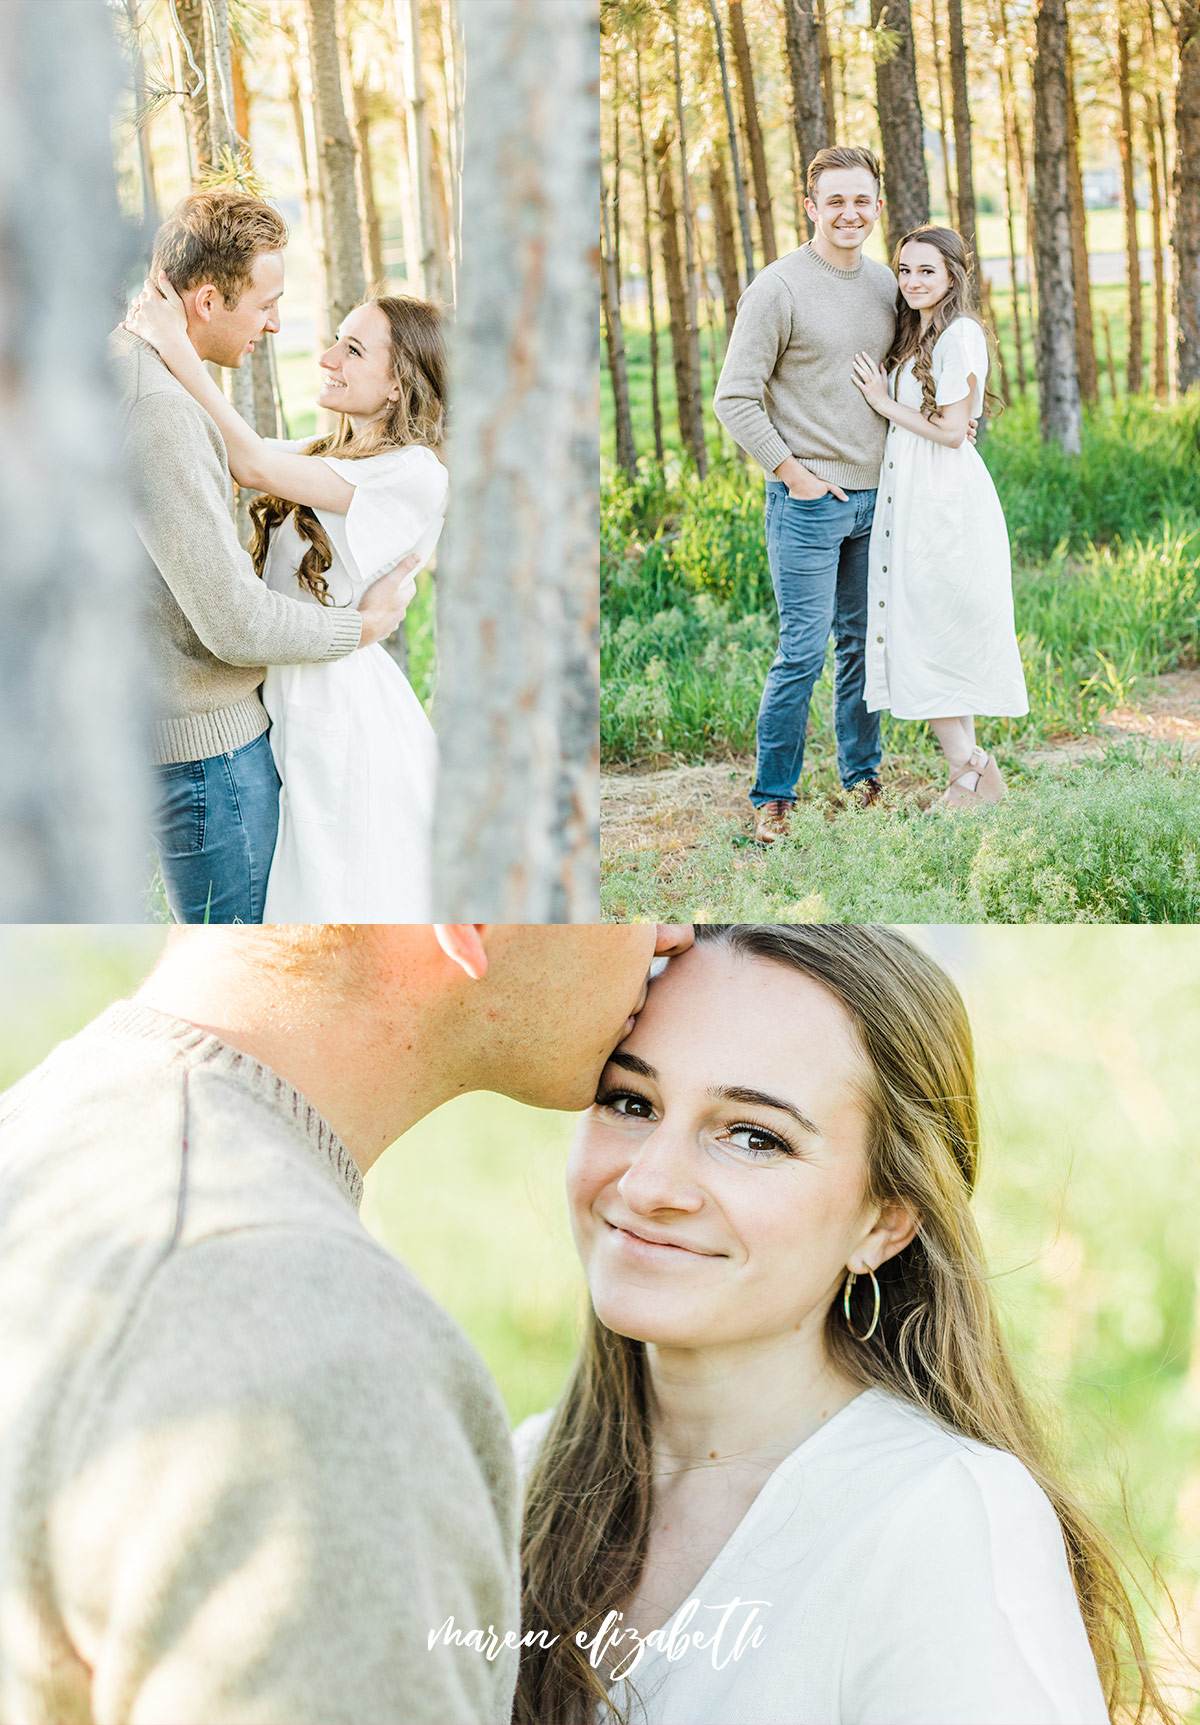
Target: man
column 248, row 1468
column 786, row 394
column 213, row 625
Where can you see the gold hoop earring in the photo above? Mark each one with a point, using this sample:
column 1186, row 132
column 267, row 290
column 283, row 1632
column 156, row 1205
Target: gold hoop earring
column 851, row 1278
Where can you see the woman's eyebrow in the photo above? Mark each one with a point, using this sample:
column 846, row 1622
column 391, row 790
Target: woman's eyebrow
column 631, row 1063
column 760, row 1099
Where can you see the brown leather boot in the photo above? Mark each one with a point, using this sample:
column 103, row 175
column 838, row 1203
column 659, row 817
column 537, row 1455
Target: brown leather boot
column 866, row 792
column 771, row 821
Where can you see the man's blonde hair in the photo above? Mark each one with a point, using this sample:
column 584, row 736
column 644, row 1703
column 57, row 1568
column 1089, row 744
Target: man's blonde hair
column 842, row 156
column 215, row 237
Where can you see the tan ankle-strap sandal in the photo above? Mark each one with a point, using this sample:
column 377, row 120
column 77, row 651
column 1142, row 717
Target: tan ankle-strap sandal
column 989, row 785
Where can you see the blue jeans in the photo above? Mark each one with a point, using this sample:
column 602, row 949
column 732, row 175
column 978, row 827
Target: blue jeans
column 817, row 550
column 215, row 823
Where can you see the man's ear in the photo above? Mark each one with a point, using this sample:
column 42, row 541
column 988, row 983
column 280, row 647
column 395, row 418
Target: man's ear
column 207, row 301
column 461, row 942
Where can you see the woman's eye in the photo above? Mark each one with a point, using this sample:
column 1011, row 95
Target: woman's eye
column 759, row 1142
column 626, row 1102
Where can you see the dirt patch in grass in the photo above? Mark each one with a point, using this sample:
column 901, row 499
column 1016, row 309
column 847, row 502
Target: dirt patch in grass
column 674, row 810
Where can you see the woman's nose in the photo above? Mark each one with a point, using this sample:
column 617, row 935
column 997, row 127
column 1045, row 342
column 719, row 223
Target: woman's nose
column 660, row 1177
column 327, row 358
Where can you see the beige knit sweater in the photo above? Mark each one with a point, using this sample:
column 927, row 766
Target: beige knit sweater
column 246, row 1463
column 787, row 386
column 212, row 625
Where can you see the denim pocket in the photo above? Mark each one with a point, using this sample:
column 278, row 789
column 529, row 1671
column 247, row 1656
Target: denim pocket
column 181, row 809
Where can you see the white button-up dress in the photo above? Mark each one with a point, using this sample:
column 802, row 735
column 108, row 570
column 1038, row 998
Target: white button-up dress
column 941, row 641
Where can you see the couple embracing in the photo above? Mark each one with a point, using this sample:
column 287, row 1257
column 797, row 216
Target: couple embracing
column 294, row 765
column 856, row 388
column 250, row 1471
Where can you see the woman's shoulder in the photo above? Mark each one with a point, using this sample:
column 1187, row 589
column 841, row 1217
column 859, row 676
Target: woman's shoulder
column 962, row 329
column 406, row 464
column 527, row 1440
column 948, row 1477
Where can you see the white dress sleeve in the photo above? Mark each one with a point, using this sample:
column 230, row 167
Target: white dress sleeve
column 398, row 505
column 959, row 351
column 968, row 1615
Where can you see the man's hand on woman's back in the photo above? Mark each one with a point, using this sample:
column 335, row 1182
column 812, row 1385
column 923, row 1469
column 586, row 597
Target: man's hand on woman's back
column 385, row 601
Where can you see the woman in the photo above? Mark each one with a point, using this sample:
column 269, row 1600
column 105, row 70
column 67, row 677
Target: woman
column 944, row 646
column 794, row 1419
column 355, row 752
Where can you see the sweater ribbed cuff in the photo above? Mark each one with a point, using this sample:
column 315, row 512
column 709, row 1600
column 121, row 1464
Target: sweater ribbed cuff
column 347, row 633
column 200, row 736
column 770, row 453
column 847, row 474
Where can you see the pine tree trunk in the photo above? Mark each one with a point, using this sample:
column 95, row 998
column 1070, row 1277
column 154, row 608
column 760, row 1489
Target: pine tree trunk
column 345, row 283
column 808, row 98
column 1018, row 341
column 1058, row 380
column 964, row 174
column 614, row 337
column 647, row 234
column 731, row 128
column 727, row 264
column 420, row 166
column 74, row 818
column 695, row 406
column 372, row 232
column 518, row 693
column 941, row 91
column 754, row 137
column 906, row 185
column 687, row 383
column 1133, row 262
column 1160, row 286
column 1185, row 236
column 1085, row 339
column 150, row 217
column 241, row 96
column 195, row 72
column 826, row 73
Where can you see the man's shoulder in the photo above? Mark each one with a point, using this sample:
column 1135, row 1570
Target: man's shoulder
column 880, row 273
column 152, row 397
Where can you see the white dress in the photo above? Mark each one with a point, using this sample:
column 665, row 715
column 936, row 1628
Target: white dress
column 899, row 1574
column 940, row 635
column 355, row 751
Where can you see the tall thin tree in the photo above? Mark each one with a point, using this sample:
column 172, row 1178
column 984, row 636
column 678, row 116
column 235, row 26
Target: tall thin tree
column 696, row 409
column 964, row 173
column 811, row 122
column 734, row 151
column 345, row 279
column 906, row 190
column 73, row 803
column 518, row 801
column 614, row 337
column 754, row 137
column 939, row 85
column 1058, row 379
column 647, row 234
column 687, row 372
column 727, row 263
column 1185, row 235
column 1133, row 262
column 1085, row 336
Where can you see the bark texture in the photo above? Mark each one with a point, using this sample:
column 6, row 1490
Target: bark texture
column 687, row 381
column 1058, row 380
column 73, row 801
column 1085, row 338
column 648, row 240
column 727, row 264
column 191, row 22
column 372, row 231
column 739, row 181
column 1133, row 264
column 345, row 281
column 614, row 337
column 964, row 203
column 1185, row 238
column 754, row 137
column 808, row 97
column 518, row 590
column 906, row 183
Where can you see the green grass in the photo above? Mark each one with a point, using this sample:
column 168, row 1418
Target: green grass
column 1117, row 841
column 1106, row 587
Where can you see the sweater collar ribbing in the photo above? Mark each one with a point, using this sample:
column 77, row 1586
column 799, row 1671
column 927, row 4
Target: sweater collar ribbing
column 832, row 269
column 129, row 1018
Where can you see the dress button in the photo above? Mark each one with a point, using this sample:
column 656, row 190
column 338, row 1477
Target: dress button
column 891, row 464
column 889, row 500
column 887, row 533
column 882, row 603
column 879, row 638
column 885, row 568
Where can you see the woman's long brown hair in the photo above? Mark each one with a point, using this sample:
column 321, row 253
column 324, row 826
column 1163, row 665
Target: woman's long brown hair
column 938, row 1344
column 418, row 416
column 915, row 341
